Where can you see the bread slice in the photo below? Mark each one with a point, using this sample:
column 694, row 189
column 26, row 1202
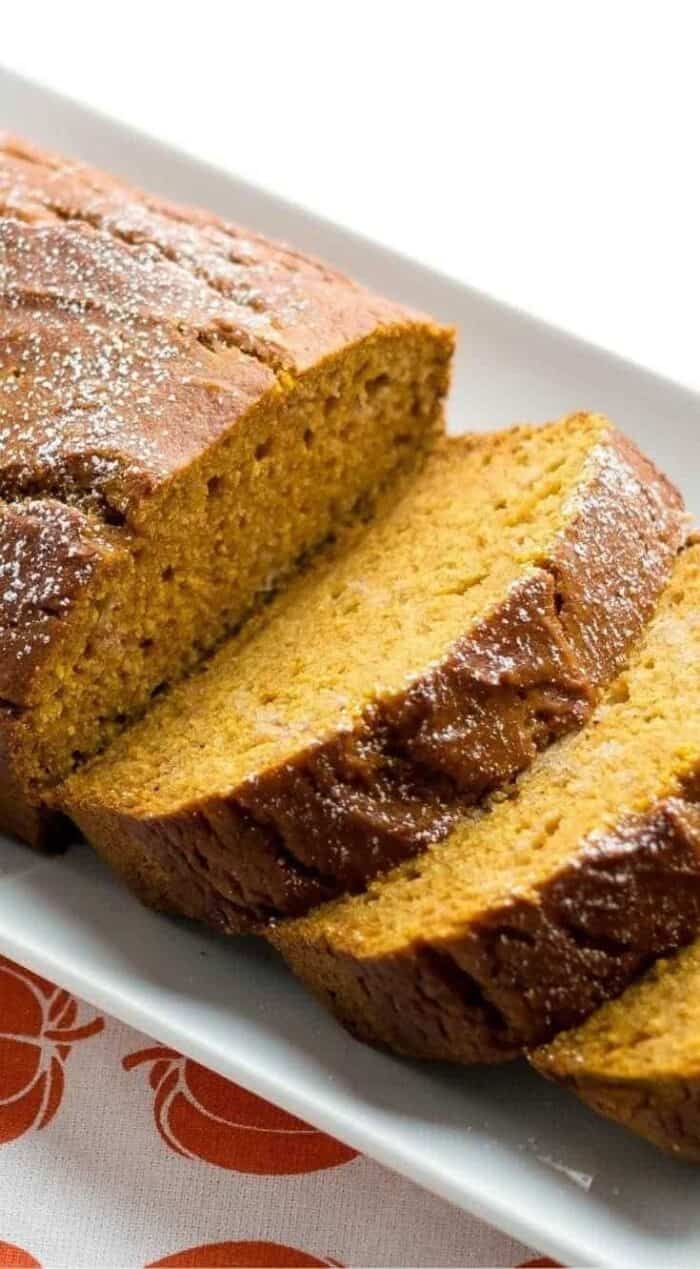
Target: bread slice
column 543, row 903
column 420, row 663
column 185, row 408
column 637, row 1059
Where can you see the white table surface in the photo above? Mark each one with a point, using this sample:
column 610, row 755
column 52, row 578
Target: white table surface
column 543, row 152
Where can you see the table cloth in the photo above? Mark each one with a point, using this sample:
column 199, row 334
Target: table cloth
column 116, row 1151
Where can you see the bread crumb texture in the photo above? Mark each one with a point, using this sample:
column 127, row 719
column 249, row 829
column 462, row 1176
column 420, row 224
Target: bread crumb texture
column 549, row 898
column 419, row 662
column 185, row 410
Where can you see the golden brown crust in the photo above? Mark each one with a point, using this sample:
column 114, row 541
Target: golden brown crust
column 49, row 552
column 182, row 265
column 167, row 324
column 534, row 965
column 18, row 814
column 664, row 1112
column 636, row 1060
column 133, row 335
column 367, row 798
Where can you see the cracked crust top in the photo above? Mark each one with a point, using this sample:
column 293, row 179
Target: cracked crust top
column 134, row 332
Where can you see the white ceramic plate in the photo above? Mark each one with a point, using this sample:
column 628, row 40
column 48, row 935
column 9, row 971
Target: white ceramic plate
column 500, row 1143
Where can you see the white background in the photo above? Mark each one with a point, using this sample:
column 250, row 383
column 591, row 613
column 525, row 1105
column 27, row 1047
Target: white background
column 545, row 152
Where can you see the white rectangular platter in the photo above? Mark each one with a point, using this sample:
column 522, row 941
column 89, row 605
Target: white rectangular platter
column 500, row 1143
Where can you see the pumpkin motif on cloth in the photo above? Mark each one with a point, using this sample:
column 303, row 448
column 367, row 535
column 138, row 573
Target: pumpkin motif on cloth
column 241, row 1255
column 540, row 1262
column 12, row 1257
column 37, row 1031
column 204, row 1116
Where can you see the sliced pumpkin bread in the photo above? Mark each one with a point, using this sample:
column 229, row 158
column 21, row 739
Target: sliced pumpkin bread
column 551, row 897
column 185, row 408
column 419, row 663
column 636, row 1060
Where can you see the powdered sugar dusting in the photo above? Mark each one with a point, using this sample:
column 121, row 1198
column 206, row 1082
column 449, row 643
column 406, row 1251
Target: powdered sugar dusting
column 46, row 554
column 132, row 333
column 97, row 379
column 217, row 275
column 624, row 524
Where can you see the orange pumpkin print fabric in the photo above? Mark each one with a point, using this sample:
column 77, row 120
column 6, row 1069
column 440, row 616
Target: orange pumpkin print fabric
column 12, row 1257
column 241, row 1255
column 540, row 1262
column 203, row 1116
column 38, row 1027
column 155, row 1161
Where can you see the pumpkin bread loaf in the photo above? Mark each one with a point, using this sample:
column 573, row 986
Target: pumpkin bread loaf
column 550, row 898
column 420, row 663
column 185, row 408
column 636, row 1060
